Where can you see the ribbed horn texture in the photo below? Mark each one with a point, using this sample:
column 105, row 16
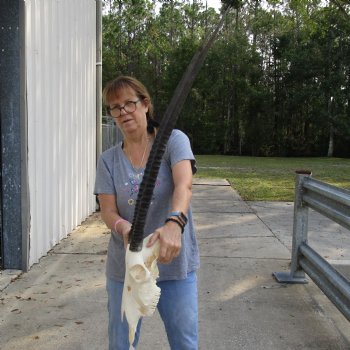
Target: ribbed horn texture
column 166, row 127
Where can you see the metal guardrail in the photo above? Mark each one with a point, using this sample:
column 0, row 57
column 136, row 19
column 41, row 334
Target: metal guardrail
column 334, row 203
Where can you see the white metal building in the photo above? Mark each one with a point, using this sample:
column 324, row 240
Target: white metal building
column 55, row 51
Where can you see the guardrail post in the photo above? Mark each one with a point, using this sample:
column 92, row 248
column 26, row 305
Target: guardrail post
column 300, row 227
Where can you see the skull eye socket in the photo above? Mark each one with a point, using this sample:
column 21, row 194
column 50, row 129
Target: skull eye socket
column 138, row 272
column 149, row 263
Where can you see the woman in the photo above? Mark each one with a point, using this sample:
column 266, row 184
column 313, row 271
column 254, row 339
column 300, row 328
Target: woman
column 119, row 175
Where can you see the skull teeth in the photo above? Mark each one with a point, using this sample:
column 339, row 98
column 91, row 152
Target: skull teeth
column 141, row 293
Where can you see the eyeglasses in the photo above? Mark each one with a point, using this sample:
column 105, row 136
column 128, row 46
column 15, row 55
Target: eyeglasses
column 129, row 107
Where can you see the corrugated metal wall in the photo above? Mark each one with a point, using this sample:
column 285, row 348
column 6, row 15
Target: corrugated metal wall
column 61, row 82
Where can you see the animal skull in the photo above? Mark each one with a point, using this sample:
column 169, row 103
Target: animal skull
column 140, row 293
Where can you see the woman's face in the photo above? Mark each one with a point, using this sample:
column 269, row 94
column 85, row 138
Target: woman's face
column 130, row 123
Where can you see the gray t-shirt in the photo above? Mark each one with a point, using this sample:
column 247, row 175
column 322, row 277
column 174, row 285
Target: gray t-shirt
column 115, row 175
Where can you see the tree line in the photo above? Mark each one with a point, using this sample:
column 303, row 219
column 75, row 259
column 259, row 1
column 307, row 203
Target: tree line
column 275, row 83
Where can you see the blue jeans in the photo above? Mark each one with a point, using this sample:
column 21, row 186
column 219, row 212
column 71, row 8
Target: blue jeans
column 178, row 308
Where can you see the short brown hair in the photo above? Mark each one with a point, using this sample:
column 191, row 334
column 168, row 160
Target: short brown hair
column 123, row 82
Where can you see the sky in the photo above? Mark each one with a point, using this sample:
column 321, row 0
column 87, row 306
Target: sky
column 213, row 3
column 216, row 4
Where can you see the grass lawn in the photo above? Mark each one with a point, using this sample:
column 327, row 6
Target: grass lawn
column 271, row 178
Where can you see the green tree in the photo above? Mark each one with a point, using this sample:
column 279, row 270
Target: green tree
column 276, row 82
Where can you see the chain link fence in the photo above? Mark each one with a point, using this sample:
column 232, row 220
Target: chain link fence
column 111, row 135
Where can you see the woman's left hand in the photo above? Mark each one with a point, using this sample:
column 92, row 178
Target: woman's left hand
column 170, row 234
column 169, row 237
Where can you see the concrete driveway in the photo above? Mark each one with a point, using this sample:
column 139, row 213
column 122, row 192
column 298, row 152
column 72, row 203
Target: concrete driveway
column 61, row 302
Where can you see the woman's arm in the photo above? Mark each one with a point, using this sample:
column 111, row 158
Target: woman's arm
column 170, row 234
column 111, row 217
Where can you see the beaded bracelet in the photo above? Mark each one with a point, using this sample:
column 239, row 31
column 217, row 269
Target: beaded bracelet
column 178, row 222
column 116, row 223
column 180, row 215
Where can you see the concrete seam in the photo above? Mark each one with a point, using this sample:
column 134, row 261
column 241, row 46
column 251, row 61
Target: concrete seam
column 278, row 239
column 240, row 237
column 242, row 257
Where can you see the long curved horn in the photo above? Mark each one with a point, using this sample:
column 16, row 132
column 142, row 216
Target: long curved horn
column 167, row 125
